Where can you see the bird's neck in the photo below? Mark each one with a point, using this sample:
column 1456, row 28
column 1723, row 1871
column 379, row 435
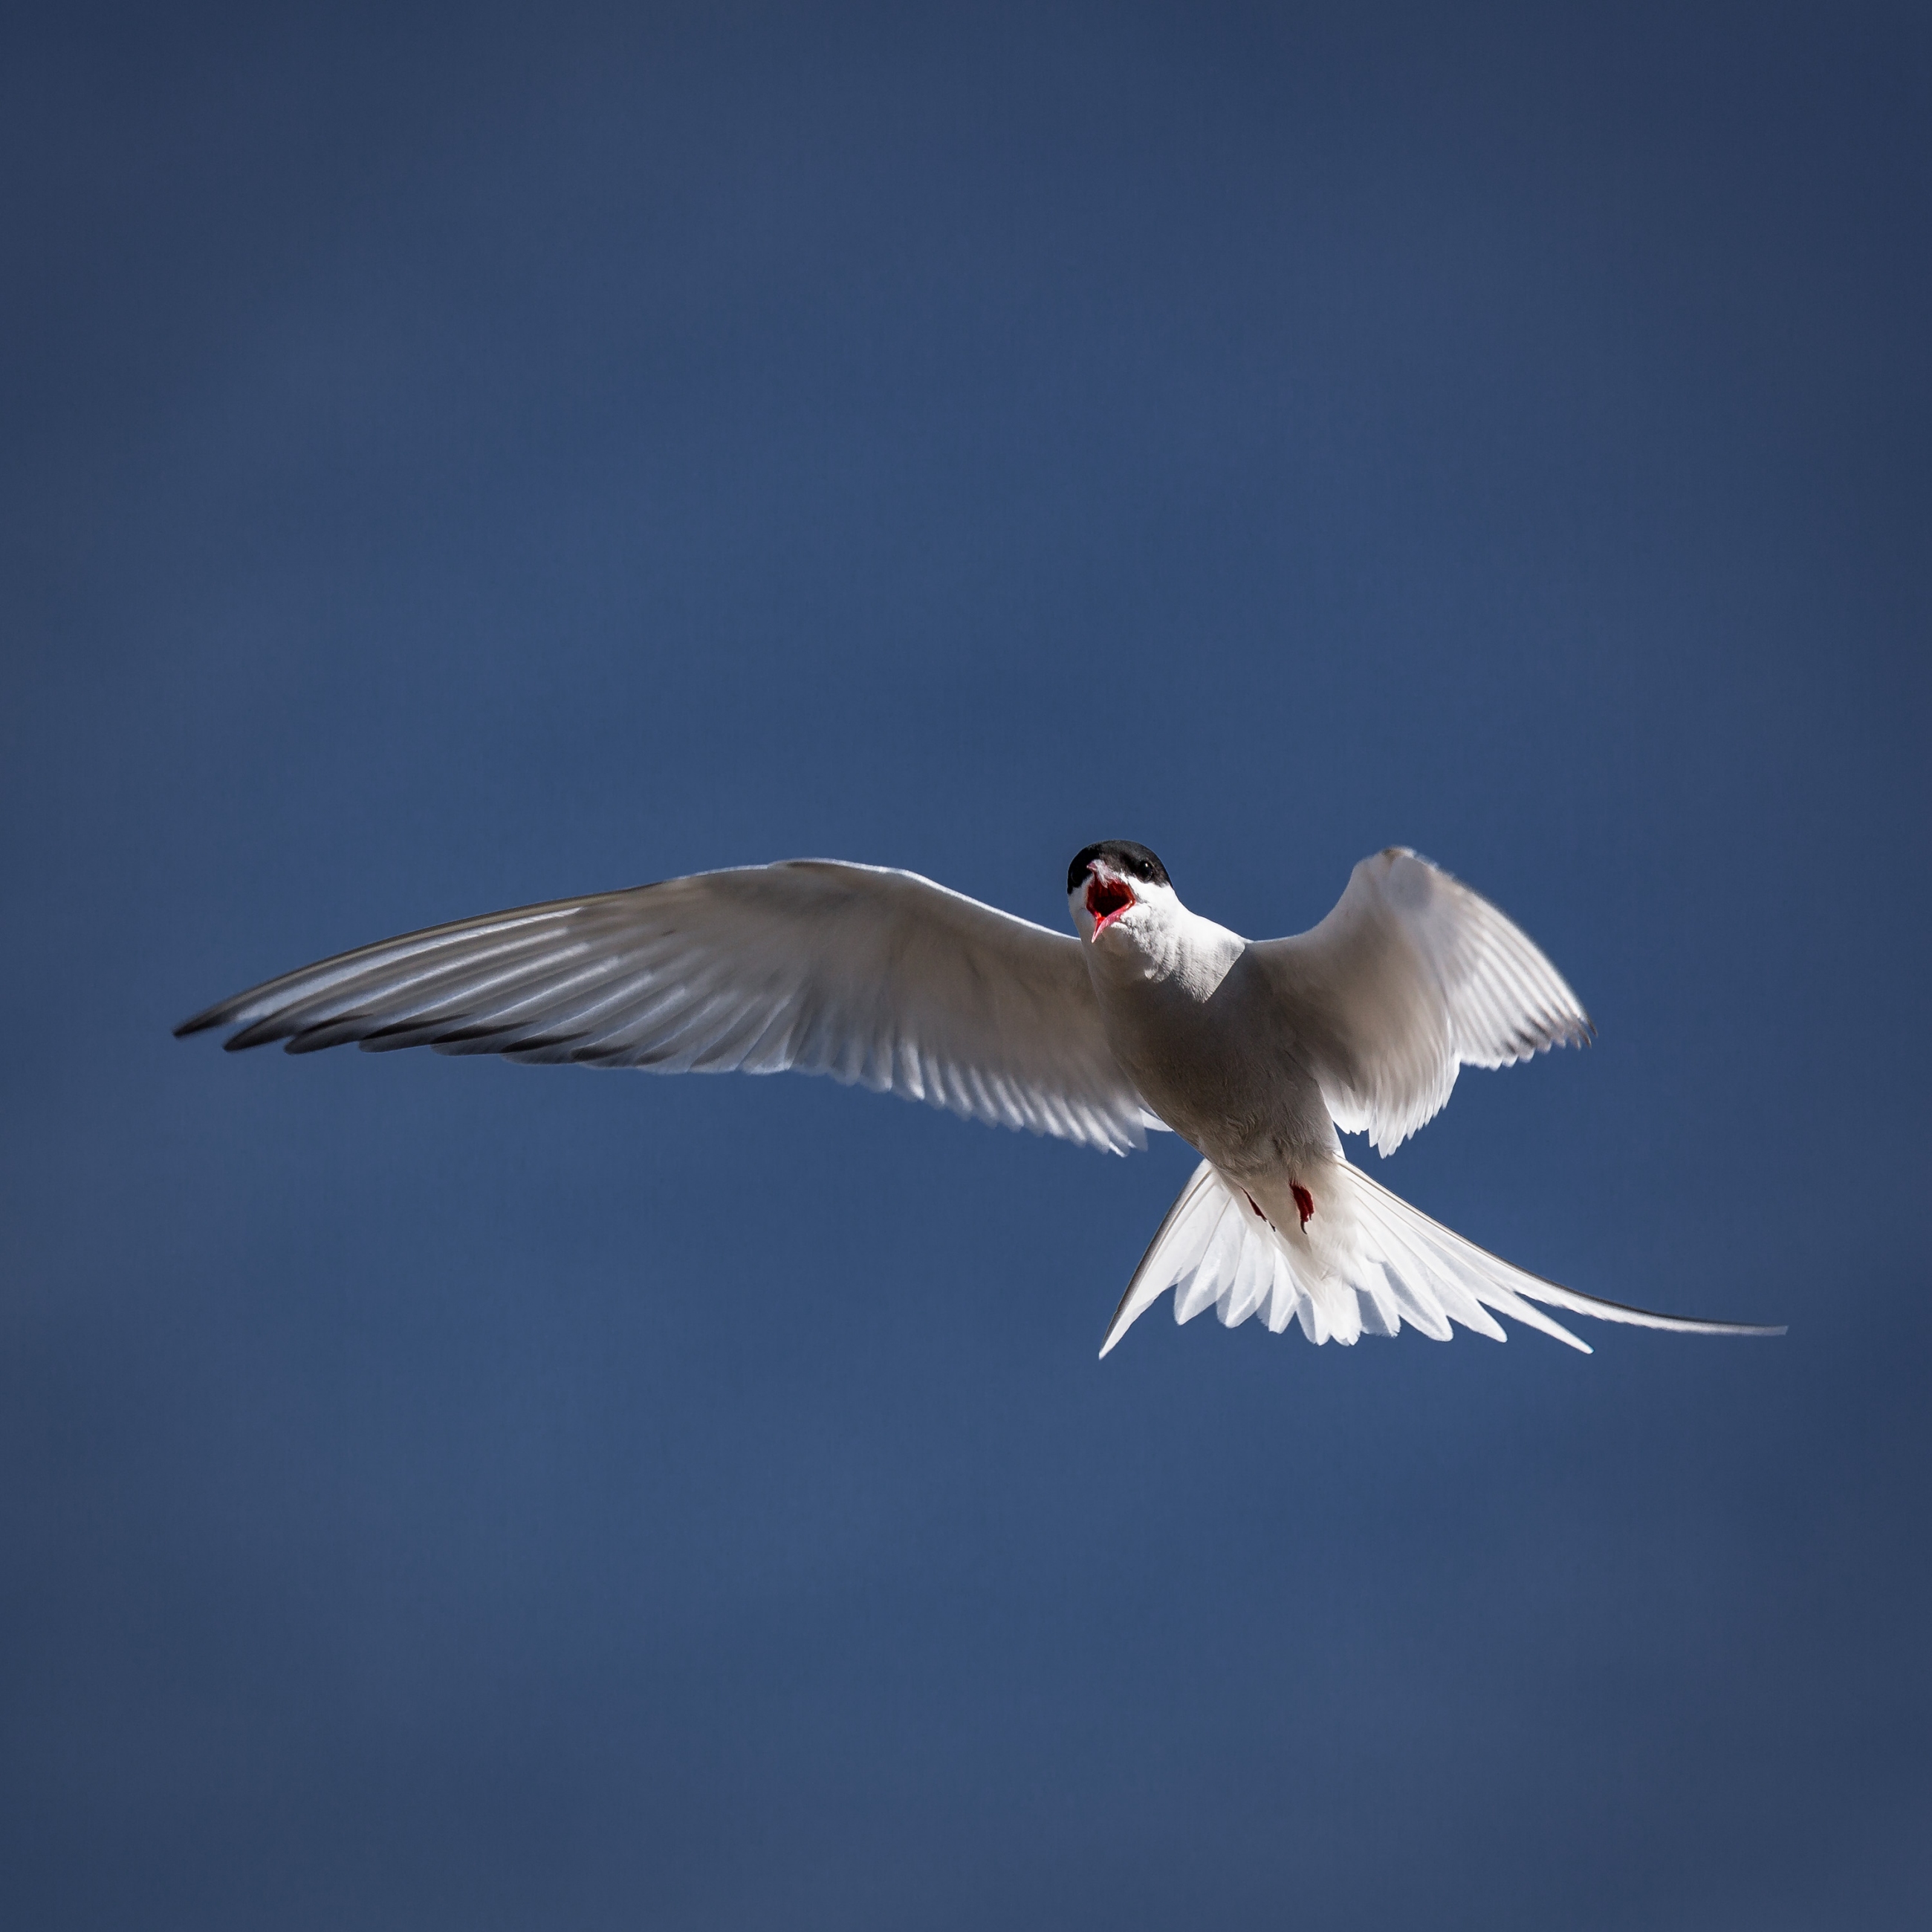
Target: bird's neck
column 1186, row 955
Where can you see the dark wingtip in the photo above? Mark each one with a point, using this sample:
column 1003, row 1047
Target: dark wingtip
column 200, row 1023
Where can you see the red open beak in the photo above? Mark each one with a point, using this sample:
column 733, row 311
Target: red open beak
column 1107, row 899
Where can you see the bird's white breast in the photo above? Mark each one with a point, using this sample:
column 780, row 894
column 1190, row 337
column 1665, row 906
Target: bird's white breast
column 1193, row 1022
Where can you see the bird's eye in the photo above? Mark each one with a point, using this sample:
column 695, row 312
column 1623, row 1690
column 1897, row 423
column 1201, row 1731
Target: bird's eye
column 1144, row 869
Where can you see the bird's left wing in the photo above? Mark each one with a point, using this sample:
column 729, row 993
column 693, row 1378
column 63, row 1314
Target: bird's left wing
column 873, row 976
column 1410, row 977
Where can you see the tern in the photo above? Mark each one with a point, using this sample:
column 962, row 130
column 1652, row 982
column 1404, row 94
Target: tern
column 1260, row 1054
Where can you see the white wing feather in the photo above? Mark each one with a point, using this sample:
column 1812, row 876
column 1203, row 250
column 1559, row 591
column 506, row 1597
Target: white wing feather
column 1385, row 1264
column 1411, row 977
column 875, row 976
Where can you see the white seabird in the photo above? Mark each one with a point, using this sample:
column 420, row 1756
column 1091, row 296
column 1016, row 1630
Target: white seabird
column 1259, row 1053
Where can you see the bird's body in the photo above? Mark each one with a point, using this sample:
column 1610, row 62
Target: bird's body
column 1259, row 1054
column 1203, row 1038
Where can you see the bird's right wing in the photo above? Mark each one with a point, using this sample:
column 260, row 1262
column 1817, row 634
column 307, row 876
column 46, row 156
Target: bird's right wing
column 1410, row 977
column 870, row 975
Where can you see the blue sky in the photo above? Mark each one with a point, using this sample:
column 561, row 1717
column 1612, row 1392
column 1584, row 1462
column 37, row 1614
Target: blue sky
column 455, row 460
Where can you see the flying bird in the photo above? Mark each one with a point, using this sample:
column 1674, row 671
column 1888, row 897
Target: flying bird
column 1261, row 1053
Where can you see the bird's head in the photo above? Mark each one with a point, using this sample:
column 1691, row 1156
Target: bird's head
column 1119, row 894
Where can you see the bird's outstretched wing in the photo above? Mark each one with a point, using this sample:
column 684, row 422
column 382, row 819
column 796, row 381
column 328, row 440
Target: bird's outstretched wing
column 1410, row 977
column 1382, row 1263
column 874, row 976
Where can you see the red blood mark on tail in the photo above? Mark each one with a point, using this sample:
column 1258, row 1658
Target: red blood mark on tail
column 1304, row 1201
column 1258, row 1215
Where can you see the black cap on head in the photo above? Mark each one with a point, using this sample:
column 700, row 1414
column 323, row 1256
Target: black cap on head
column 1124, row 855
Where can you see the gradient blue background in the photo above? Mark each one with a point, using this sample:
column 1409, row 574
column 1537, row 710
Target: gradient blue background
column 449, row 459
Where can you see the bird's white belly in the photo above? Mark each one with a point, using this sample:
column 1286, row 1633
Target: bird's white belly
column 1221, row 1071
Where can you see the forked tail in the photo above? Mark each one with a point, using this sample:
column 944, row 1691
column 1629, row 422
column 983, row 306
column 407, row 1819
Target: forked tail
column 1381, row 1264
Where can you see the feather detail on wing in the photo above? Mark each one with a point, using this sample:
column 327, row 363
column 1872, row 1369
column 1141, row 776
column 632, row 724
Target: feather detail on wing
column 1410, row 977
column 875, row 976
column 1382, row 1263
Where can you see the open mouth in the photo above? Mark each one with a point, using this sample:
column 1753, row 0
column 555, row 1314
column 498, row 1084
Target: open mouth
column 1106, row 900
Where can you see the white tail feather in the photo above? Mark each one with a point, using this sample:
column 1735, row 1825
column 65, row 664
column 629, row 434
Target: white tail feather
column 1385, row 1263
